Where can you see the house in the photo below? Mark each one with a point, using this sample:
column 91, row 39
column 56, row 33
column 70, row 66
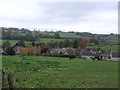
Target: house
column 62, row 51
column 115, row 55
column 18, row 50
column 70, row 52
column 91, row 54
column 106, row 56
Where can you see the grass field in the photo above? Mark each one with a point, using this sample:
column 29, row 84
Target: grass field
column 12, row 42
column 62, row 34
column 46, row 40
column 56, row 72
column 106, row 47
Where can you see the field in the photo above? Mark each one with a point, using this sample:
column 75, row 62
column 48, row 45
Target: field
column 12, row 42
column 46, row 40
column 56, row 72
column 106, row 47
column 62, row 34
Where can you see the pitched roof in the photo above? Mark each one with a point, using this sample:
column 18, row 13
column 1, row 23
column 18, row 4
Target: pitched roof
column 90, row 53
column 116, row 54
column 63, row 50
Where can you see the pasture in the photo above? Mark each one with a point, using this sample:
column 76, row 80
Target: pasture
column 62, row 34
column 47, row 40
column 106, row 47
column 56, row 72
column 12, row 42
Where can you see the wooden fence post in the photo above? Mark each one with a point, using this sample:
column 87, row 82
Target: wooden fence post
column 10, row 80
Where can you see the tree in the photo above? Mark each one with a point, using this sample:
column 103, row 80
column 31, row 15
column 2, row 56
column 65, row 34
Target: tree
column 51, row 44
column 57, row 36
column 66, row 43
column 6, row 45
column 60, row 44
column 94, row 40
column 33, row 43
column 47, row 53
column 30, row 50
column 10, row 51
column 98, row 48
column 44, row 50
column 75, row 44
column 25, row 51
column 20, row 43
column 29, row 36
column 37, row 39
column 83, row 44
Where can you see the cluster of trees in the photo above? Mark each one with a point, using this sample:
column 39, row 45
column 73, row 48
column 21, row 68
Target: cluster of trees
column 85, row 34
column 9, row 34
column 30, row 50
column 68, row 43
column 37, row 48
column 24, row 34
column 25, row 49
column 8, row 49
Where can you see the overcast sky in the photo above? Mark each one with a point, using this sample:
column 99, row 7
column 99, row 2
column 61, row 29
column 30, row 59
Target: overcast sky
column 94, row 17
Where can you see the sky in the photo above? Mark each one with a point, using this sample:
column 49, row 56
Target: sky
column 95, row 17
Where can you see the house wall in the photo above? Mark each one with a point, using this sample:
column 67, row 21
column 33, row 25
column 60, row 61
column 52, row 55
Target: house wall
column 115, row 58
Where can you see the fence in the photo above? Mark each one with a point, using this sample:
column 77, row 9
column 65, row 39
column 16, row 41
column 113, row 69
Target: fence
column 8, row 81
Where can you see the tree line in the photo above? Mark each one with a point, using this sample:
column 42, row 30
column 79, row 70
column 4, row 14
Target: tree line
column 77, row 43
column 24, row 34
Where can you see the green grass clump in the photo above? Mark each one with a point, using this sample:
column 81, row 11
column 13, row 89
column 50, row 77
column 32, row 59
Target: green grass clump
column 58, row 72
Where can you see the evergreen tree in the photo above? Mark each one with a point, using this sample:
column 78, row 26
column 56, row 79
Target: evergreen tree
column 75, row 44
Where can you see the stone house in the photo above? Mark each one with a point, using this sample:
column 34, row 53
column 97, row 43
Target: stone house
column 62, row 51
column 18, row 50
column 91, row 54
column 115, row 55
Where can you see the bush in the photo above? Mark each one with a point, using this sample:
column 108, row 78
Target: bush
column 10, row 51
column 44, row 50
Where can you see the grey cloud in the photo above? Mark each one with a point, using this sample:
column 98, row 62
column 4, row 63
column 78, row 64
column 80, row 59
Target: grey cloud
column 66, row 13
column 70, row 12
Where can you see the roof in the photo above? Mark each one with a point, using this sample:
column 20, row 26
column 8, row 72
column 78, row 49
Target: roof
column 60, row 50
column 116, row 54
column 63, row 50
column 18, row 46
column 90, row 53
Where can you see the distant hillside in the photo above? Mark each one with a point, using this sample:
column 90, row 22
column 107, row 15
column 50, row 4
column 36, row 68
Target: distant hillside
column 27, row 35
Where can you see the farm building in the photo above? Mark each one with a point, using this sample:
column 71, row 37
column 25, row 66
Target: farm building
column 18, row 50
column 106, row 56
column 91, row 54
column 62, row 51
column 115, row 55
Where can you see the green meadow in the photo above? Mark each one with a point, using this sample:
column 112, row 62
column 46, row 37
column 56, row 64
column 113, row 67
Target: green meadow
column 12, row 42
column 106, row 47
column 62, row 34
column 47, row 40
column 58, row 72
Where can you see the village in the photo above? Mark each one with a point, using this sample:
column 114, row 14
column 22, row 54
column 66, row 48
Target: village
column 71, row 53
column 52, row 44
